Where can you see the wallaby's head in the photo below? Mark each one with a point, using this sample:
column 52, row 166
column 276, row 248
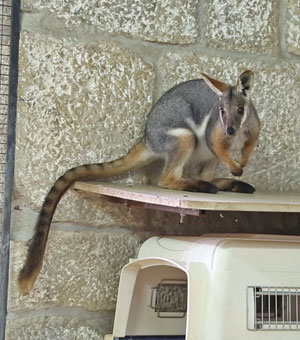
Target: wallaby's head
column 233, row 101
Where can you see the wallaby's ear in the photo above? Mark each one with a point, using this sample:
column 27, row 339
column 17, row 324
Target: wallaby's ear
column 245, row 82
column 217, row 86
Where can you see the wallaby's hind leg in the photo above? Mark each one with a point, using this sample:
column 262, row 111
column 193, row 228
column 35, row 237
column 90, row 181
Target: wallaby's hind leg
column 227, row 184
column 171, row 177
column 207, row 173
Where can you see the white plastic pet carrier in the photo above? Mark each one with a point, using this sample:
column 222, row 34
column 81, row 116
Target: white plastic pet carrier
column 215, row 287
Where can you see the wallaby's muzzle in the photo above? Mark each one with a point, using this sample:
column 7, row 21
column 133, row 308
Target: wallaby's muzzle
column 230, row 131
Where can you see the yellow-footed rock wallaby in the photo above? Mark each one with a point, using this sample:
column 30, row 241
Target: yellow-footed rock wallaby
column 201, row 120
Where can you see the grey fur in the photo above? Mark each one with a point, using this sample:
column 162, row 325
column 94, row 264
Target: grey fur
column 192, row 99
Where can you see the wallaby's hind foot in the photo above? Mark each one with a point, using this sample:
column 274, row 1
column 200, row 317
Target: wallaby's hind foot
column 243, row 187
column 191, row 185
column 202, row 186
column 226, row 184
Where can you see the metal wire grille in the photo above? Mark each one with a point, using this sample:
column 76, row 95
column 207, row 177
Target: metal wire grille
column 9, row 52
column 273, row 308
column 5, row 31
column 169, row 299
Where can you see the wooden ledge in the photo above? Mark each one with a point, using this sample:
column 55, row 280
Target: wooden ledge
column 181, row 201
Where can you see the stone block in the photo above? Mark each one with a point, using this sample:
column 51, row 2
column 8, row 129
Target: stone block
column 275, row 162
column 81, row 269
column 58, row 327
column 90, row 210
column 30, row 5
column 173, row 22
column 293, row 26
column 243, row 25
column 77, row 104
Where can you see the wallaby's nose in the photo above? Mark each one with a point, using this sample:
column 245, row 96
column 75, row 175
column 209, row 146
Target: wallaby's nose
column 230, row 131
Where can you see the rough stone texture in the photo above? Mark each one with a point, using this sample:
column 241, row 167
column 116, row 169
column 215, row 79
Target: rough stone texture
column 155, row 20
column 55, row 327
column 0, row 247
column 276, row 160
column 293, row 26
column 249, row 25
column 30, row 5
column 80, row 269
column 77, row 104
column 87, row 103
column 80, row 208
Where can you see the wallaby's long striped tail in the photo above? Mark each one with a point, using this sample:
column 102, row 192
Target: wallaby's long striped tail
column 137, row 157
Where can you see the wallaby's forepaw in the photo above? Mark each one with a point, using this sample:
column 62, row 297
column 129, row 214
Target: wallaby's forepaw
column 237, row 170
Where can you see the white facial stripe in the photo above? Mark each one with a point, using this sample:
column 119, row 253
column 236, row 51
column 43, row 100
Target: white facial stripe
column 221, row 118
column 246, row 109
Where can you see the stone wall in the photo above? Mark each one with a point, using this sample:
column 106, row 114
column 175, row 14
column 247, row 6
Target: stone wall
column 89, row 73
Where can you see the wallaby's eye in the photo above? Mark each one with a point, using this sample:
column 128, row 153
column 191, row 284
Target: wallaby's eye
column 240, row 111
column 222, row 111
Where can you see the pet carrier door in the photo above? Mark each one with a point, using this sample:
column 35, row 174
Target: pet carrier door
column 152, row 300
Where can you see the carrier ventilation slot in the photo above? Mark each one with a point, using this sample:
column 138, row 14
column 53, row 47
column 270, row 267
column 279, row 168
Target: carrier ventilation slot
column 169, row 299
column 273, row 308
